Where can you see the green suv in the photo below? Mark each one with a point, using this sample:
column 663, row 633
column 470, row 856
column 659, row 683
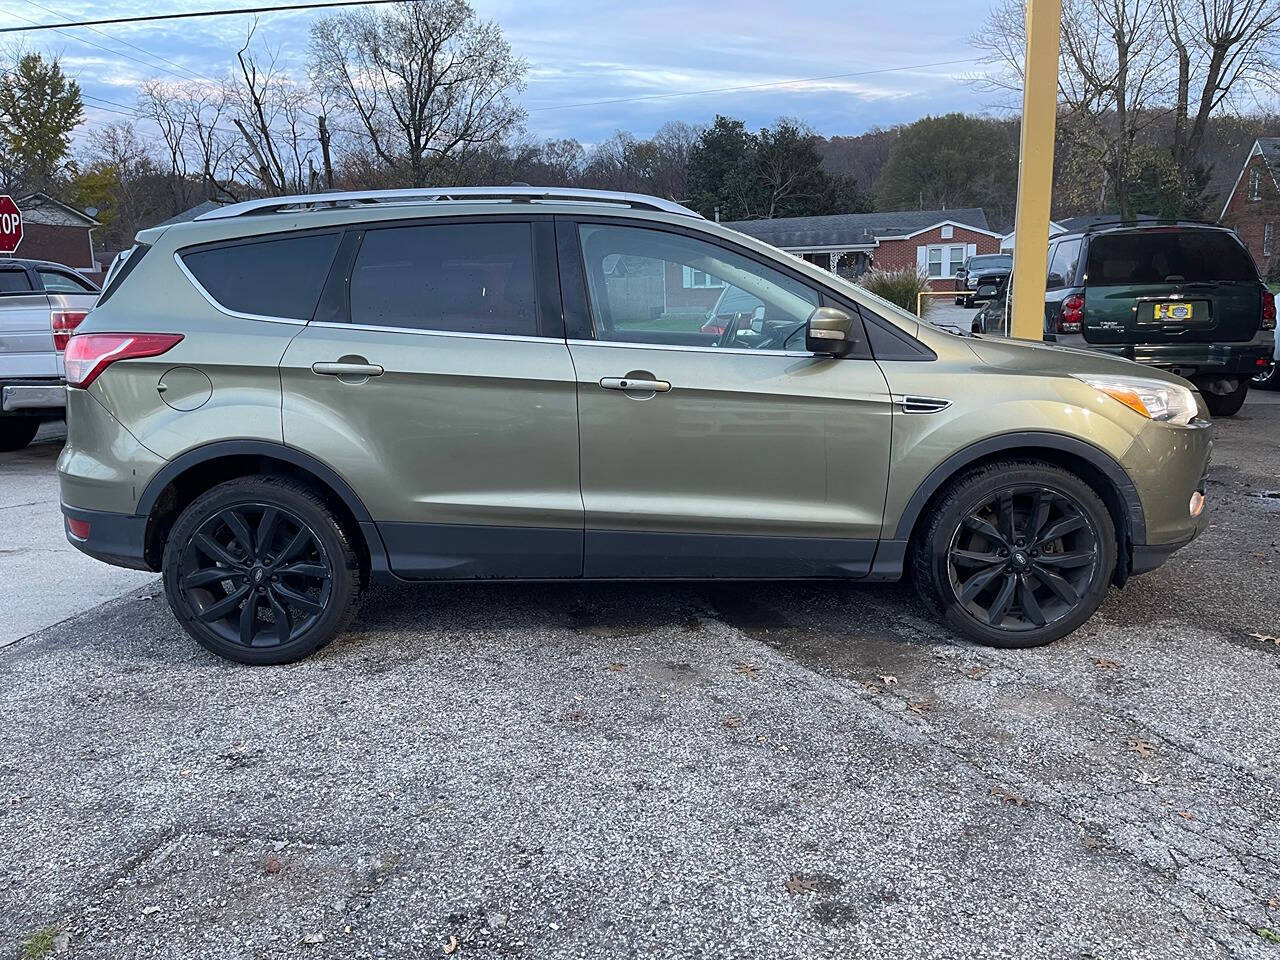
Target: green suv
column 1185, row 297
column 288, row 398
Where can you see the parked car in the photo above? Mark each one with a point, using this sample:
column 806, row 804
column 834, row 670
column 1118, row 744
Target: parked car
column 979, row 273
column 1267, row 378
column 287, row 398
column 40, row 305
column 1184, row 297
column 993, row 318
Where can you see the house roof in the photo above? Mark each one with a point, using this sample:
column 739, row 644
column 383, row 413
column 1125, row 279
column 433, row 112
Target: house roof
column 187, row 216
column 853, row 229
column 48, row 210
column 1269, row 149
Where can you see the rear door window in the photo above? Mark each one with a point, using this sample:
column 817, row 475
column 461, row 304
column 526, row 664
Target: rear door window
column 1168, row 256
column 1062, row 268
column 454, row 277
column 14, row 281
column 55, row 281
column 272, row 278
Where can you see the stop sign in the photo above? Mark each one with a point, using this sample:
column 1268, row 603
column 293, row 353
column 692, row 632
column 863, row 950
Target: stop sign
column 10, row 225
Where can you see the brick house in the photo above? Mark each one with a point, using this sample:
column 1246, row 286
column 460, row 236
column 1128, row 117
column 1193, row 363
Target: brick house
column 51, row 230
column 1253, row 206
column 849, row 244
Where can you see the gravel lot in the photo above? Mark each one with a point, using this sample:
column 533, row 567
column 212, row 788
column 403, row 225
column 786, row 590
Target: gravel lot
column 755, row 770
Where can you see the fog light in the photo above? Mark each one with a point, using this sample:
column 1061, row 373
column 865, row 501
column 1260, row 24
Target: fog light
column 1197, row 503
column 78, row 528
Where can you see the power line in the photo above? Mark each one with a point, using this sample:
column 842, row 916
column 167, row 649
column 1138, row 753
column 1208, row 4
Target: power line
column 755, row 86
column 120, row 40
column 228, row 12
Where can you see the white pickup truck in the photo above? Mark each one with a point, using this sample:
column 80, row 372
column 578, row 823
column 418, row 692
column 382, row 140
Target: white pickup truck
column 41, row 304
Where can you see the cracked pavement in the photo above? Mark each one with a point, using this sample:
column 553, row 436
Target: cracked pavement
column 738, row 770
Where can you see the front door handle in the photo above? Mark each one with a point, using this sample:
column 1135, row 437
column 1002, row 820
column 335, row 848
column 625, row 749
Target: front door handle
column 344, row 369
column 632, row 385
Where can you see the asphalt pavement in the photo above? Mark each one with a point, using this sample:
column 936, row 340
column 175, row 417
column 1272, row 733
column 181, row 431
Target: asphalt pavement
column 629, row 770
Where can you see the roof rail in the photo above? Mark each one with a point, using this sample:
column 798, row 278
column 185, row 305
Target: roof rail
column 313, row 201
column 1142, row 222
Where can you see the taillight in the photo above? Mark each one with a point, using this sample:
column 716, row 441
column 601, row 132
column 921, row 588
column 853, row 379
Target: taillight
column 88, row 354
column 1071, row 317
column 64, row 323
column 1268, row 310
column 78, row 528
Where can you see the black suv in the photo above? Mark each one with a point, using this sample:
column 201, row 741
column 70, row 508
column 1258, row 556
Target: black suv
column 1185, row 297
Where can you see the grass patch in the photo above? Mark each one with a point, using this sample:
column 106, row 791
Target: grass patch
column 38, row 944
column 1266, row 933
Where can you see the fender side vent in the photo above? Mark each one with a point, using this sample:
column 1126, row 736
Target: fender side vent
column 922, row 404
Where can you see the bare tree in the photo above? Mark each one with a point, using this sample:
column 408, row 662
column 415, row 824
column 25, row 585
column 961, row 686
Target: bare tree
column 419, row 84
column 274, row 116
column 205, row 153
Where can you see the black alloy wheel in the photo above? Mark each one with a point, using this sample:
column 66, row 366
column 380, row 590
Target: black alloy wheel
column 1269, row 378
column 256, row 575
column 1015, row 553
column 261, row 570
column 1023, row 558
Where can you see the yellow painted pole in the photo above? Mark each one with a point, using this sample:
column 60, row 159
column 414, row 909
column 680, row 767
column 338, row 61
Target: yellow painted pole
column 1035, row 168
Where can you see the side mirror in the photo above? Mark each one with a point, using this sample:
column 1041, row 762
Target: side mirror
column 830, row 331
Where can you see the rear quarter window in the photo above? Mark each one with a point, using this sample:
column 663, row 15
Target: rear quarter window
column 1171, row 256
column 280, row 277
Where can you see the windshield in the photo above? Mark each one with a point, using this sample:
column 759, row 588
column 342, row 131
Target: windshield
column 1168, row 256
column 994, row 262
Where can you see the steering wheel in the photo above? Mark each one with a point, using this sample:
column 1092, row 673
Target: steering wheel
column 730, row 331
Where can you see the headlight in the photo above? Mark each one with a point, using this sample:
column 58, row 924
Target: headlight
column 1167, row 402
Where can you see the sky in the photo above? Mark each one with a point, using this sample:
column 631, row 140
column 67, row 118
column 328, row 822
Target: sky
column 582, row 52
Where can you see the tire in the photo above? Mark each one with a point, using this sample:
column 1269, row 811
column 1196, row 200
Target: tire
column 959, row 301
column 1268, row 379
column 1226, row 404
column 968, row 303
column 1078, row 563
column 283, row 550
column 17, row 432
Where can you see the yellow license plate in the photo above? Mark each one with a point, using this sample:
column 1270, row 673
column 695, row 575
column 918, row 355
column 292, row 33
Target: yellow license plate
column 1173, row 311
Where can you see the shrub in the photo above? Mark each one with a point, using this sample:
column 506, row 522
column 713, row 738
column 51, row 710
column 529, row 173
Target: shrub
column 901, row 287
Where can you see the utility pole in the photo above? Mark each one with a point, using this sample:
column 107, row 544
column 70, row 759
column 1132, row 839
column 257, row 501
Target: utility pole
column 1035, row 168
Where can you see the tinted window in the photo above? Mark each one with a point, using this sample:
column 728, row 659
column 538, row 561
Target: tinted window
column 465, row 277
column 268, row 278
column 1160, row 256
column 57, row 282
column 1062, row 268
column 993, row 262
column 650, row 286
column 14, row 281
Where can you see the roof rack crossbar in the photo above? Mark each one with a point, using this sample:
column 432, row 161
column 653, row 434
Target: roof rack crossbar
column 314, row 201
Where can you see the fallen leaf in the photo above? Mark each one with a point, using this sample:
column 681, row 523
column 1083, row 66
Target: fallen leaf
column 1143, row 748
column 868, row 684
column 1106, row 663
column 1185, row 815
column 975, row 673
column 615, row 667
column 747, row 670
column 733, row 722
column 452, row 945
column 148, row 911
column 311, row 939
column 272, row 864
column 1274, row 903
column 888, row 680
column 1146, row 779
column 1008, row 796
column 1266, row 638
column 1092, row 843
column 920, row 707
column 800, row 884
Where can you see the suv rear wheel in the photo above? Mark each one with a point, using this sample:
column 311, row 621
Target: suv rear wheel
column 1269, row 378
column 1016, row 553
column 17, row 432
column 1224, row 397
column 261, row 571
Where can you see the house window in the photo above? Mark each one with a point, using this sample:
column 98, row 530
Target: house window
column 697, row 280
column 945, row 260
column 948, row 232
column 1255, row 184
column 1268, row 239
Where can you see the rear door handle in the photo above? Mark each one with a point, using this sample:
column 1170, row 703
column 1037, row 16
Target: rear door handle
column 339, row 369
column 629, row 385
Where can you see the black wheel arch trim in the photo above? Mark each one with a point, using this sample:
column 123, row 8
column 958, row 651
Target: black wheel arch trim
column 1028, row 441
column 276, row 451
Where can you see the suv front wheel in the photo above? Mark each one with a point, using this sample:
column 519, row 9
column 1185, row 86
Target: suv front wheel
column 1224, row 397
column 1016, row 553
column 260, row 570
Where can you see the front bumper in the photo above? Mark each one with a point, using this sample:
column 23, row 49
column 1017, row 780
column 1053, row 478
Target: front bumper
column 114, row 538
column 1169, row 465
